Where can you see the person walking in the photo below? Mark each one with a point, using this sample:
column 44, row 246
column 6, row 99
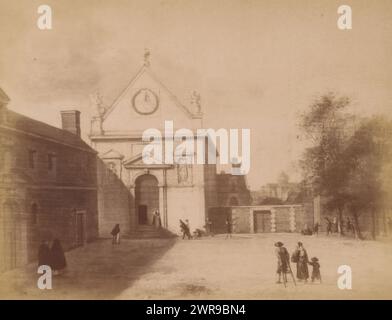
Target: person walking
column 185, row 229
column 116, row 234
column 57, row 257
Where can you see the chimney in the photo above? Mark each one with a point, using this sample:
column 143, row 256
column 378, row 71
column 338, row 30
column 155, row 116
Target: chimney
column 70, row 121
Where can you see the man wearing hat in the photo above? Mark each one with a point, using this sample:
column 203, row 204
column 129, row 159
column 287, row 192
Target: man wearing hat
column 283, row 260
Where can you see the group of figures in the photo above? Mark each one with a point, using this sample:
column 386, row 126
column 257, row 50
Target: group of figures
column 332, row 226
column 300, row 258
column 52, row 256
column 208, row 229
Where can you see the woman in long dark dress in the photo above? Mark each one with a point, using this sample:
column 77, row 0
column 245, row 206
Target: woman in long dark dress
column 301, row 257
column 58, row 261
column 44, row 254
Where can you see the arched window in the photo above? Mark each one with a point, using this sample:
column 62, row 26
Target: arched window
column 34, row 213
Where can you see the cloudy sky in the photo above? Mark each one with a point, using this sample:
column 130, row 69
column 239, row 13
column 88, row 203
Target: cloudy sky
column 257, row 64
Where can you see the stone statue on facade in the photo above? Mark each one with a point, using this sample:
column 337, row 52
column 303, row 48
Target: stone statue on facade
column 97, row 103
column 196, row 102
column 99, row 112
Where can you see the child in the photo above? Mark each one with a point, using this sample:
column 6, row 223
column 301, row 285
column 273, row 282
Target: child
column 316, row 269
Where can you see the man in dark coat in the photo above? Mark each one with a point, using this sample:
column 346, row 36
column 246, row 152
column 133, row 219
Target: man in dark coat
column 44, row 254
column 283, row 261
column 57, row 257
column 185, row 229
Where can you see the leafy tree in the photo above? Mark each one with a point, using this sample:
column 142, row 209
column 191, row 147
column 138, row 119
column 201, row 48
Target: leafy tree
column 369, row 155
column 350, row 166
column 327, row 126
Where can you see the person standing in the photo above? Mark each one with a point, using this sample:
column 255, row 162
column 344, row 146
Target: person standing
column 156, row 221
column 116, row 234
column 335, row 225
column 329, row 226
column 229, row 228
column 209, row 227
column 58, row 261
column 44, row 254
column 283, row 257
column 316, row 228
column 301, row 256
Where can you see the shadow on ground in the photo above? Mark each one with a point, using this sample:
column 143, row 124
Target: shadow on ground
column 98, row 270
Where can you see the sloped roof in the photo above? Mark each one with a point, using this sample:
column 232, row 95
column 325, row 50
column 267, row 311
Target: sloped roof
column 3, row 97
column 27, row 125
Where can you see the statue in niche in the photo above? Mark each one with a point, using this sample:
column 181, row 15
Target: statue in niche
column 184, row 172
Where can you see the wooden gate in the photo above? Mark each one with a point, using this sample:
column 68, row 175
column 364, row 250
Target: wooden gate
column 262, row 221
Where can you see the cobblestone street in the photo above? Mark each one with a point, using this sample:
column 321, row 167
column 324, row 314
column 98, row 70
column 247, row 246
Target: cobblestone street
column 211, row 268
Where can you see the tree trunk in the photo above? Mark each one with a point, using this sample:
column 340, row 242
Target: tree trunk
column 340, row 219
column 357, row 230
column 373, row 213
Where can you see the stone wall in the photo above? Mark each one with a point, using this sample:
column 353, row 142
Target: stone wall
column 46, row 188
column 281, row 218
column 114, row 202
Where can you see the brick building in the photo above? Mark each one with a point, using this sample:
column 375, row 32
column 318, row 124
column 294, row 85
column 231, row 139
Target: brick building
column 233, row 190
column 48, row 185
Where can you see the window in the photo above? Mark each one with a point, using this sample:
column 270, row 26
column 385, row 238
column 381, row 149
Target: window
column 51, row 162
column 32, row 158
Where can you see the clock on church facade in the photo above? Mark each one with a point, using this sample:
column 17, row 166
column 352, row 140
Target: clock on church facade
column 145, row 101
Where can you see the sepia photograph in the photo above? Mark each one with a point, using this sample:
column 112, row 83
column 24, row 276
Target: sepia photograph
column 197, row 150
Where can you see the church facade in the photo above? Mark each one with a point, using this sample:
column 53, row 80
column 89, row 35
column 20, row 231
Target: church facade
column 130, row 191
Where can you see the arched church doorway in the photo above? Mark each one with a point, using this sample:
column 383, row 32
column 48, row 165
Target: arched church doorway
column 147, row 198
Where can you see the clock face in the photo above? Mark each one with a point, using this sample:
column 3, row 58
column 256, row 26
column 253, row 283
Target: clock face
column 145, row 101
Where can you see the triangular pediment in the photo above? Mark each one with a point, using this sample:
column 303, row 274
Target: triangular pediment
column 136, row 161
column 145, row 103
column 112, row 154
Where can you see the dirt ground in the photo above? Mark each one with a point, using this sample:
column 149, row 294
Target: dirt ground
column 210, row 268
